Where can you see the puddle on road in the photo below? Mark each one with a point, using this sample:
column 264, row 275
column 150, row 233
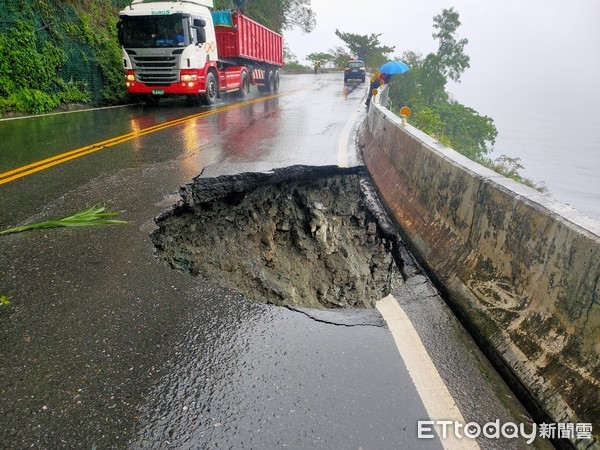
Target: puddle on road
column 312, row 237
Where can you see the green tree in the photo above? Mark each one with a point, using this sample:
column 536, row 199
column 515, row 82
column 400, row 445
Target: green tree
column 423, row 89
column 340, row 56
column 288, row 56
column 406, row 88
column 450, row 60
column 298, row 13
column 324, row 58
column 291, row 63
column 430, row 122
column 277, row 15
column 468, row 132
column 366, row 47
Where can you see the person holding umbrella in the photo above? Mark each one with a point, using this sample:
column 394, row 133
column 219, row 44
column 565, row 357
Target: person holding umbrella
column 377, row 80
column 384, row 76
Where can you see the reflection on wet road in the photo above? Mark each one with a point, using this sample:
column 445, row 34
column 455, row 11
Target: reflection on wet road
column 257, row 376
column 104, row 347
column 296, row 127
column 138, row 131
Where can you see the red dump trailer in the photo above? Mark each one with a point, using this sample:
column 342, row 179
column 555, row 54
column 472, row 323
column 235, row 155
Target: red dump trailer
column 249, row 40
column 242, row 41
column 181, row 48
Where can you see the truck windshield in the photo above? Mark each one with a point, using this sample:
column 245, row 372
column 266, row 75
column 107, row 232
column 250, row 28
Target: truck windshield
column 155, row 31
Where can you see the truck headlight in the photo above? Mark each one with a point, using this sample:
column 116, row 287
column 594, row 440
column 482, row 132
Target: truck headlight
column 130, row 77
column 192, row 77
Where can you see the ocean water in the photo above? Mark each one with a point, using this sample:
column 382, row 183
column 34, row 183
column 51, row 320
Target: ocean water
column 557, row 141
column 534, row 68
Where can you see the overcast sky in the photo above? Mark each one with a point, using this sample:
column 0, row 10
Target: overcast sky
column 527, row 49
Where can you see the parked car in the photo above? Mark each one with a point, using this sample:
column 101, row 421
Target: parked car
column 355, row 69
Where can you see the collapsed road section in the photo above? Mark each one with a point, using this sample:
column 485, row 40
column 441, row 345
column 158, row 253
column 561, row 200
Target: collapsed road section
column 313, row 237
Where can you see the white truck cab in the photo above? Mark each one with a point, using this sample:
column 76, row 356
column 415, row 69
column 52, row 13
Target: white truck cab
column 161, row 40
column 172, row 48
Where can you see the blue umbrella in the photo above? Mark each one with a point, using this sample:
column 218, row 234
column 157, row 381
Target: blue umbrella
column 394, row 67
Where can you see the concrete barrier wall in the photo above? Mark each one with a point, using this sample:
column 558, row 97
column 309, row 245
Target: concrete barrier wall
column 521, row 269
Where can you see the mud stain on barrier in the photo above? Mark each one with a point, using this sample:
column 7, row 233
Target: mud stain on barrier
column 313, row 237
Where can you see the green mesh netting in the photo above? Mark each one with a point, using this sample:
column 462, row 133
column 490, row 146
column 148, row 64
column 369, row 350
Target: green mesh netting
column 9, row 14
column 55, row 21
column 80, row 66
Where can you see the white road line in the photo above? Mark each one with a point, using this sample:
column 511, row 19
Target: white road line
column 433, row 392
column 345, row 137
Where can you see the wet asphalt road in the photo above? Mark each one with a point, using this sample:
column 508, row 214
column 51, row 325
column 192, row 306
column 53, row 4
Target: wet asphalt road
column 103, row 347
column 299, row 127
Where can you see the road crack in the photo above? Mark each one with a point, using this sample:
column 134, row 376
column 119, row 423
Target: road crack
column 343, row 318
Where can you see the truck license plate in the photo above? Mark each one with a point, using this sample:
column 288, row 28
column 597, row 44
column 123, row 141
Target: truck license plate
column 158, row 92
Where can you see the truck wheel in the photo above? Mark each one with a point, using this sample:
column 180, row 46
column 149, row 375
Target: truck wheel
column 276, row 81
column 271, row 84
column 212, row 89
column 267, row 82
column 244, row 86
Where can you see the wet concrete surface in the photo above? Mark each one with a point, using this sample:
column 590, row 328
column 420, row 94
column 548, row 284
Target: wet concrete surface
column 104, row 347
column 281, row 379
column 479, row 391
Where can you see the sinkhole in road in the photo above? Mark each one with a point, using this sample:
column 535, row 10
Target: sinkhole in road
column 303, row 236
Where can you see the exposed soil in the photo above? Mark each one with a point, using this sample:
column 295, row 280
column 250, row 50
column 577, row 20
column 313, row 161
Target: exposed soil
column 300, row 236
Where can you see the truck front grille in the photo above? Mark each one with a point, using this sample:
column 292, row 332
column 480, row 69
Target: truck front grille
column 156, row 70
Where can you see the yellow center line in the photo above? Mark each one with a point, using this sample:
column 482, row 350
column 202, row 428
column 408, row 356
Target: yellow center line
column 38, row 166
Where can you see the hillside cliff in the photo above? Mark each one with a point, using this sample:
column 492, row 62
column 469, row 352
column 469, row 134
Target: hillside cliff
column 53, row 53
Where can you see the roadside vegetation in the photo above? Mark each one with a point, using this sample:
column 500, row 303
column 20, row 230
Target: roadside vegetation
column 278, row 15
column 92, row 216
column 59, row 52
column 423, row 90
column 4, row 302
column 55, row 53
column 434, row 111
column 290, row 62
